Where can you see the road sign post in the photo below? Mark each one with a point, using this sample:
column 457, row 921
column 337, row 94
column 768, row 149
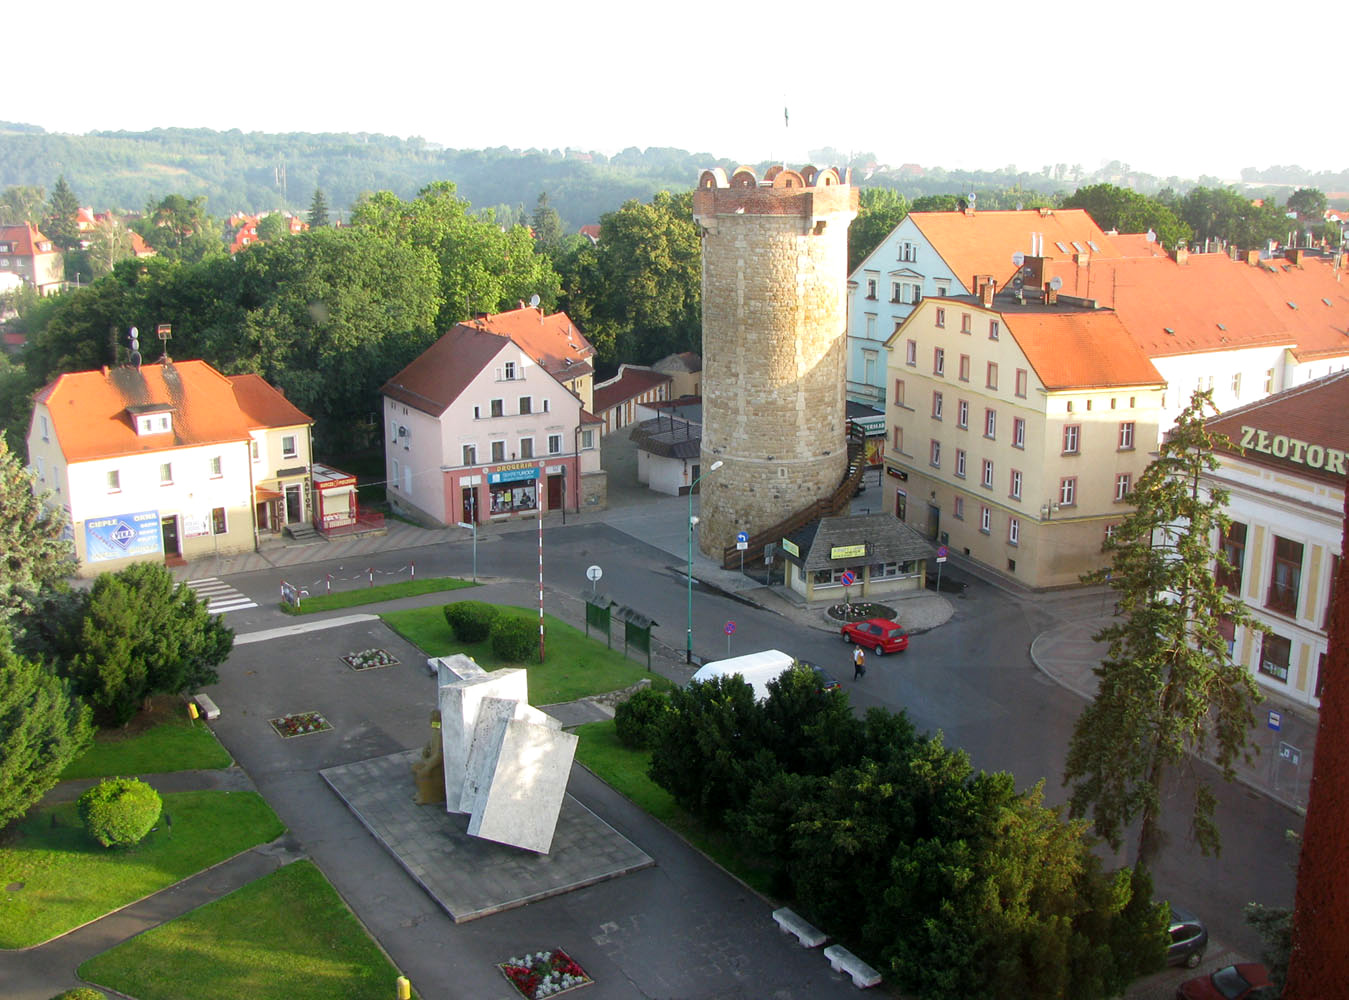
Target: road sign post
column 729, row 629
column 593, row 574
column 473, row 528
column 847, row 579
column 941, row 558
column 742, row 543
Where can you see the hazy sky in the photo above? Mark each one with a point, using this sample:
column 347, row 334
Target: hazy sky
column 1181, row 87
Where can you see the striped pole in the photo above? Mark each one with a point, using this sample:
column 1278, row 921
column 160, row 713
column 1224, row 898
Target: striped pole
column 540, row 586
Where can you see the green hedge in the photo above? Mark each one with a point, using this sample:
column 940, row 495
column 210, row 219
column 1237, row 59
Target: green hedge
column 471, row 621
column 119, row 812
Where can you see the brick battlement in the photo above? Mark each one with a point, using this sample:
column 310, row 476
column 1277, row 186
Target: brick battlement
column 807, row 193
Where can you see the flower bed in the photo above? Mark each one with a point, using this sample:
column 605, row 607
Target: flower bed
column 369, row 659
column 300, row 724
column 544, row 974
column 861, row 611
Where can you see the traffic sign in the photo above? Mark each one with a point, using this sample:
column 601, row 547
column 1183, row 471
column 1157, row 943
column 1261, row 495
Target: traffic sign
column 1275, row 721
column 848, row 578
column 729, row 628
column 742, row 536
column 594, row 573
column 465, row 524
column 942, row 551
column 742, row 541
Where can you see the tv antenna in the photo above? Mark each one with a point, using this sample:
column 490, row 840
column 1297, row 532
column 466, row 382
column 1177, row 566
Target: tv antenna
column 134, row 336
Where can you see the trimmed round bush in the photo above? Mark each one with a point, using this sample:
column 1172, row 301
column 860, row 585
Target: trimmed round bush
column 514, row 638
column 82, row 993
column 470, row 621
column 119, row 812
column 637, row 720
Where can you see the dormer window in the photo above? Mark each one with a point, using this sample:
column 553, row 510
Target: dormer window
column 154, row 423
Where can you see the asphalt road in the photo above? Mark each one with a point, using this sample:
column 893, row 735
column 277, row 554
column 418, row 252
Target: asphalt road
column 972, row 679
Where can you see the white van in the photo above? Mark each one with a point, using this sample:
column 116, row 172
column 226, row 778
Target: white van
column 756, row 668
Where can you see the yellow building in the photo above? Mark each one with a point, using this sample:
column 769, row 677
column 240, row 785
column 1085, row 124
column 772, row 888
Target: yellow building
column 1017, row 424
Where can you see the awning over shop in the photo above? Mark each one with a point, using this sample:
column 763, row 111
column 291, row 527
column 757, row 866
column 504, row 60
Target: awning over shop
column 262, row 494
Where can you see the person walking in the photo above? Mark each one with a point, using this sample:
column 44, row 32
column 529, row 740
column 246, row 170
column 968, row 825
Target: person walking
column 859, row 663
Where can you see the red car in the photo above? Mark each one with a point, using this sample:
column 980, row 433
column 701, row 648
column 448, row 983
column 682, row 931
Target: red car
column 1231, row 982
column 881, row 634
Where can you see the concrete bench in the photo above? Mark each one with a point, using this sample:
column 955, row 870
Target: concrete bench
column 789, row 923
column 207, row 706
column 842, row 960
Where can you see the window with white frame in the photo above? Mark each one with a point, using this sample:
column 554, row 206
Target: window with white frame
column 1018, row 432
column 215, row 467
column 166, row 473
column 908, row 251
column 498, row 451
column 958, row 508
column 1013, row 530
column 1236, row 385
column 938, row 361
column 985, row 519
column 935, row 454
column 993, row 329
column 941, row 318
column 1126, row 435
column 987, row 477
column 587, row 440
column 966, row 323
column 1067, row 491
column 498, row 407
column 990, row 423
column 526, row 404
column 936, row 405
column 911, row 352
column 289, row 446
column 963, row 414
column 114, row 481
column 943, row 289
column 897, row 292
column 393, row 475
column 255, row 450
column 1122, row 483
column 555, row 444
column 527, row 447
column 871, row 288
column 510, row 371
column 470, row 454
column 1014, row 489
column 1071, row 434
column 960, row 462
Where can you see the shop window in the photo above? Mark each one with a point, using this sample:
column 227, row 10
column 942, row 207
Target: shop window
column 1275, row 653
column 1285, row 577
column 509, row 498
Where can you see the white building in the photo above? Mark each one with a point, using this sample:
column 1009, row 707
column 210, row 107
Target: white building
column 1285, row 476
column 168, row 461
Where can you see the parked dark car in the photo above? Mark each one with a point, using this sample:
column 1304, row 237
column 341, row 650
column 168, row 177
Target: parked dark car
column 880, row 634
column 825, row 680
column 1189, row 938
column 1231, row 982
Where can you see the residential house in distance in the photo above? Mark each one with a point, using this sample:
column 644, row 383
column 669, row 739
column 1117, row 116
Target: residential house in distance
column 618, row 399
column 478, row 429
column 29, row 255
column 1017, row 427
column 685, row 371
column 1284, row 471
column 939, row 253
column 168, row 462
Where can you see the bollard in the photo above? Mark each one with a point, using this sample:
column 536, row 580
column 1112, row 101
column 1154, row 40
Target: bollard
column 414, row 570
column 404, row 988
column 371, row 571
column 330, row 583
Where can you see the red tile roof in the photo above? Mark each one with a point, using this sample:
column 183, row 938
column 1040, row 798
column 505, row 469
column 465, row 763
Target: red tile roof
column 263, row 405
column 24, row 238
column 1136, row 245
column 628, row 384
column 438, row 375
column 1078, row 349
column 552, row 341
column 1312, row 413
column 983, row 242
column 1214, row 303
column 90, row 416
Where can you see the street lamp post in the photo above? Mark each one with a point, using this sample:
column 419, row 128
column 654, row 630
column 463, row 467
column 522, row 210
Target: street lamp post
column 688, row 647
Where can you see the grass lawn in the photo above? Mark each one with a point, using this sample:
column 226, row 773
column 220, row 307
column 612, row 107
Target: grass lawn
column 576, row 666
column 68, row 879
column 175, row 744
column 625, row 771
column 286, row 935
column 374, row 595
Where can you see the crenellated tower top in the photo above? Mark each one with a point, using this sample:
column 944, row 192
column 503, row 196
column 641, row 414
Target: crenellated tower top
column 809, row 193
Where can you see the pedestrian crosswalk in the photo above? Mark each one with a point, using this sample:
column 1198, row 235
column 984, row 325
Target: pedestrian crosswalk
column 220, row 596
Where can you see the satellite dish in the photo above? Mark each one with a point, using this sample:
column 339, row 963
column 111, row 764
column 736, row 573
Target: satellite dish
column 1056, row 283
column 534, row 301
column 1018, row 259
column 1017, row 283
column 1151, row 237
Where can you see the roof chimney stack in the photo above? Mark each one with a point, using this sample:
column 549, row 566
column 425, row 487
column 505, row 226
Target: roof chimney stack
column 1181, row 254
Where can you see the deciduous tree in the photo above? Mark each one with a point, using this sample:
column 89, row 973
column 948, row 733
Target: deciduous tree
column 1126, row 211
column 272, row 227
column 109, row 242
column 880, row 211
column 1168, row 685
column 179, row 229
column 22, row 203
column 42, row 728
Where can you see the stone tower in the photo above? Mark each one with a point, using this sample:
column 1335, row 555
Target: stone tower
column 775, row 272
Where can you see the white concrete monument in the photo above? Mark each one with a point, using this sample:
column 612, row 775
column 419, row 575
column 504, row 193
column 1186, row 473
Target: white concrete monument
column 506, row 763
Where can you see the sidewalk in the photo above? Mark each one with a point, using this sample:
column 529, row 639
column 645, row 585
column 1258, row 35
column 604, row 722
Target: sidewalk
column 1068, row 654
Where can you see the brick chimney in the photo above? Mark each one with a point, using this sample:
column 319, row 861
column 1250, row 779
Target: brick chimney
column 1295, row 256
column 1181, row 254
column 985, row 287
column 1253, row 257
column 1033, row 271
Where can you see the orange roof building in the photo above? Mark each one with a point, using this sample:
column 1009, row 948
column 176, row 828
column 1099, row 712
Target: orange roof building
column 168, row 461
column 33, row 258
column 553, row 341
